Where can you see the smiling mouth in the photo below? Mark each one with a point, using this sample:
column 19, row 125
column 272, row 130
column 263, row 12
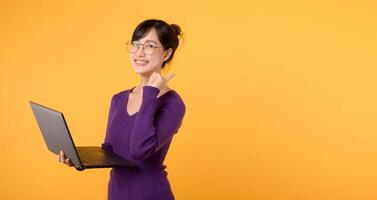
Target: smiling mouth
column 141, row 62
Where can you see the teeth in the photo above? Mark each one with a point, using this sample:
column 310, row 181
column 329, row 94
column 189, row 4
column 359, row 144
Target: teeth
column 141, row 62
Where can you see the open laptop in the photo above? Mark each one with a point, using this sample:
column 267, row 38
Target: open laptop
column 57, row 137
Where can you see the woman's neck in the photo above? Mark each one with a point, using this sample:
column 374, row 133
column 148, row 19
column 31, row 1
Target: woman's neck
column 138, row 90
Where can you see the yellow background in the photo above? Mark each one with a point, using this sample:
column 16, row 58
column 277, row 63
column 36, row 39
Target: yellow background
column 280, row 95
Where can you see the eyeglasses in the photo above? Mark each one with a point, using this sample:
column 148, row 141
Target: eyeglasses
column 147, row 47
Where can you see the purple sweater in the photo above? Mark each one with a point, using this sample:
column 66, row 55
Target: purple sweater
column 143, row 138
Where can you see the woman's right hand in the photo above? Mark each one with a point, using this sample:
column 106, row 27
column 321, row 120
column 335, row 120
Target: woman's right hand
column 62, row 159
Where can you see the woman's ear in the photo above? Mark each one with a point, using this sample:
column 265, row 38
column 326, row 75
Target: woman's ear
column 168, row 54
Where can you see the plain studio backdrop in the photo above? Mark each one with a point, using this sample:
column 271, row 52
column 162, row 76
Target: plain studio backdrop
column 280, row 95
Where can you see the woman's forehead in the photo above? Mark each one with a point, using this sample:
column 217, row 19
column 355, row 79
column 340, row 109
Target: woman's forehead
column 150, row 37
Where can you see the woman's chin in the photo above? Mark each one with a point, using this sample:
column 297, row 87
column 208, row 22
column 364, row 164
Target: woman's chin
column 139, row 70
column 142, row 72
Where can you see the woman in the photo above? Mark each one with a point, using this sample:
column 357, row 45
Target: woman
column 142, row 120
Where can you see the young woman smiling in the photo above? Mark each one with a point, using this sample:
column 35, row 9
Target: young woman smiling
column 143, row 119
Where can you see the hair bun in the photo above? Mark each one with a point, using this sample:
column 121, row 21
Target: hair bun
column 176, row 29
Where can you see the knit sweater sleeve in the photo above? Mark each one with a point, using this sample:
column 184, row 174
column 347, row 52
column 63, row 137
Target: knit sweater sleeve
column 153, row 127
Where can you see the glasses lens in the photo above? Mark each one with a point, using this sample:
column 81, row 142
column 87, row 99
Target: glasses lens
column 131, row 47
column 149, row 48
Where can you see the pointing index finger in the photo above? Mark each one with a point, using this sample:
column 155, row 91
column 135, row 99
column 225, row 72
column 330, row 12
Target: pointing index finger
column 170, row 76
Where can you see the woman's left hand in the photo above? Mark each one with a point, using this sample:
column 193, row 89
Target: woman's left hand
column 156, row 80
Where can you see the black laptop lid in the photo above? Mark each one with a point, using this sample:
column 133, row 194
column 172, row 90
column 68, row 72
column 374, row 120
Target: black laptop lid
column 55, row 131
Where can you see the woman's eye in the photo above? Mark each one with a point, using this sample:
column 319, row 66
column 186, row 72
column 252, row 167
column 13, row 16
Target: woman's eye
column 150, row 46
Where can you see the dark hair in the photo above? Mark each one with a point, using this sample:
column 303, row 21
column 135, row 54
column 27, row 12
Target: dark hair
column 167, row 34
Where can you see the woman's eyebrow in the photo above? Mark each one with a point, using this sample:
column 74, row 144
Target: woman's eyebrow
column 151, row 41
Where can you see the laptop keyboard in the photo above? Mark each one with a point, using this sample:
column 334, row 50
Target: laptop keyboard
column 93, row 159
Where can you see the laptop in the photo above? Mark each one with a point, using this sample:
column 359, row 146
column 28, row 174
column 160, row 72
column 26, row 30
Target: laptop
column 57, row 137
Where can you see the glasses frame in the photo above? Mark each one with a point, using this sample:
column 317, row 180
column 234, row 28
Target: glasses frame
column 130, row 44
